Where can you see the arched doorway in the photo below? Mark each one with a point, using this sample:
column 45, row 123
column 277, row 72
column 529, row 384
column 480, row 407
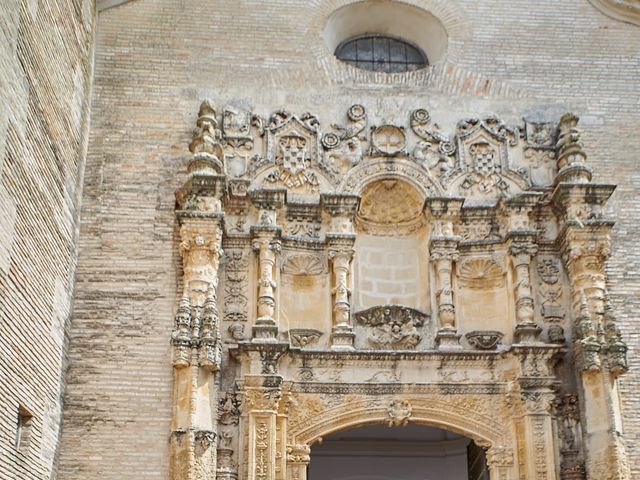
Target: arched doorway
column 412, row 452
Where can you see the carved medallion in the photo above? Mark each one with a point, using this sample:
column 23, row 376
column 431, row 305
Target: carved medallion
column 388, row 140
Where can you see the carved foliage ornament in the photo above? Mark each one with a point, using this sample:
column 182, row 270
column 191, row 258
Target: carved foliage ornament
column 392, row 326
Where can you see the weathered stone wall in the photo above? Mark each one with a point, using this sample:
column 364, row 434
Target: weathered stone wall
column 46, row 59
column 157, row 59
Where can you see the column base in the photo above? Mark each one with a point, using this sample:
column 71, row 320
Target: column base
column 264, row 331
column 343, row 339
column 527, row 333
column 448, row 339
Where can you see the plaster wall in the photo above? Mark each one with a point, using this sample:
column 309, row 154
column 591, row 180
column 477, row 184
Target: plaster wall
column 156, row 60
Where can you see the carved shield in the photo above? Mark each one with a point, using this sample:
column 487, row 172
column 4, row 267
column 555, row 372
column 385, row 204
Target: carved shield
column 293, row 153
column 484, row 158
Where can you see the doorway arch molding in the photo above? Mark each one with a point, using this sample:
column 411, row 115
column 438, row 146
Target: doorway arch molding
column 375, row 169
column 482, row 429
column 468, row 415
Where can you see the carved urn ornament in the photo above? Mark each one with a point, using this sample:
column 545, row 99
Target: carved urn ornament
column 329, row 273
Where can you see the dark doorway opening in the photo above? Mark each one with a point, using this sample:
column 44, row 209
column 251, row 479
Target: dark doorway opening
column 414, row 452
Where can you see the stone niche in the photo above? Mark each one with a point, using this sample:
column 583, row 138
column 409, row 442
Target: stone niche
column 393, row 274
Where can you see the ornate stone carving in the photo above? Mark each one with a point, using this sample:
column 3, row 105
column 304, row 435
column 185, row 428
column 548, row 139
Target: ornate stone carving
column 304, row 264
column 481, row 273
column 571, row 157
column 390, row 207
column 399, row 413
column 229, row 408
column 615, row 347
column 293, row 144
column 296, row 388
column 393, row 326
column 484, row 339
column 587, row 345
column 499, row 456
column 435, row 151
column 204, row 439
column 235, row 288
column 388, row 141
column 303, row 337
column 343, row 144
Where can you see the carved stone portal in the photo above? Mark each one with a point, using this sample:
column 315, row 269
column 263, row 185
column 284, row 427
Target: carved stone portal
column 498, row 323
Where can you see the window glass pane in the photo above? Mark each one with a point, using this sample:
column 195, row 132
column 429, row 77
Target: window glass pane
column 398, row 53
column 365, row 49
column 381, row 53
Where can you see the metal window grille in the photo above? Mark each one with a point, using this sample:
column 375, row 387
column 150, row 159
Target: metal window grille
column 381, row 53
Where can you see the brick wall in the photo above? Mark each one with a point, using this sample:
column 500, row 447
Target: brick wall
column 155, row 61
column 46, row 63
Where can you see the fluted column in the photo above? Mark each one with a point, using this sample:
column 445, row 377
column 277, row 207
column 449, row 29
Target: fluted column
column 443, row 214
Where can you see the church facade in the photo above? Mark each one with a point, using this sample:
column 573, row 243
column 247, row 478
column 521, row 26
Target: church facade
column 238, row 230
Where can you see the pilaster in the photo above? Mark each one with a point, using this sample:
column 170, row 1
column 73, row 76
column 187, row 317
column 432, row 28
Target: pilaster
column 444, row 213
column 340, row 240
column 599, row 357
column 196, row 337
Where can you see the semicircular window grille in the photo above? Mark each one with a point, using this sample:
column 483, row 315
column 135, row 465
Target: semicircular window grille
column 381, row 53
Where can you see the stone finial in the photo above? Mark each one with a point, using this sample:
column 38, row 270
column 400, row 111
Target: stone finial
column 206, row 146
column 571, row 156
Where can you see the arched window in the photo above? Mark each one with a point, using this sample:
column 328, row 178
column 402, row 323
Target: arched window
column 381, row 53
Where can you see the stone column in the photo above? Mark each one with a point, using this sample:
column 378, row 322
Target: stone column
column 444, row 213
column 341, row 254
column 599, row 356
column 340, row 239
column 267, row 245
column 266, row 328
column 196, row 337
column 521, row 237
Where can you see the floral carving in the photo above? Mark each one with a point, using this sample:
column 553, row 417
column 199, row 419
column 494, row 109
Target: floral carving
column 235, row 287
column 399, row 413
column 393, row 326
